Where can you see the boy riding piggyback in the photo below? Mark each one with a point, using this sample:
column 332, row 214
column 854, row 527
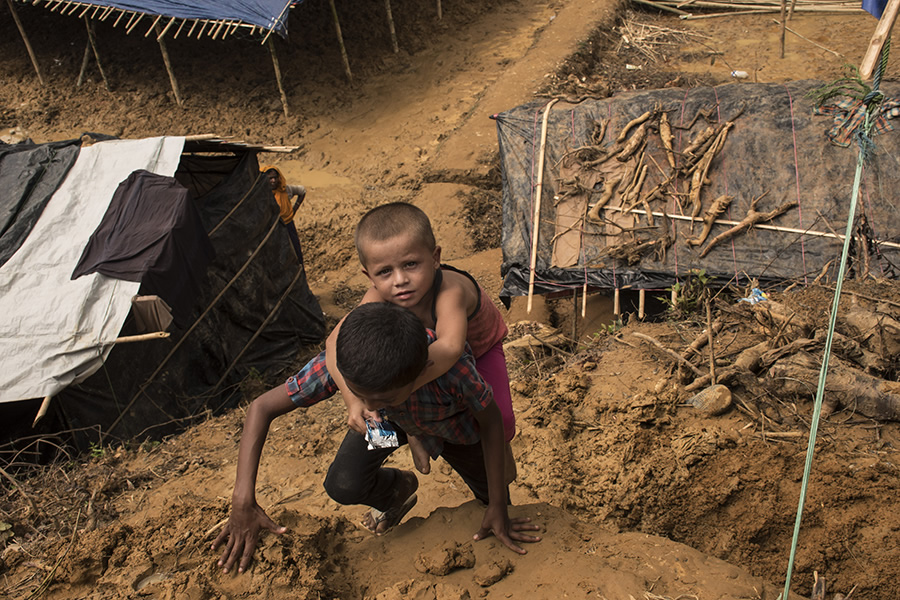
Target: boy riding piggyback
column 399, row 255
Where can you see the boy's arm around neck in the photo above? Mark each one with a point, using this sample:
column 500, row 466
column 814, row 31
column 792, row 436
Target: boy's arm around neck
column 451, row 330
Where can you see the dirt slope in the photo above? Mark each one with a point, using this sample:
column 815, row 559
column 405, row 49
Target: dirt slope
column 609, row 455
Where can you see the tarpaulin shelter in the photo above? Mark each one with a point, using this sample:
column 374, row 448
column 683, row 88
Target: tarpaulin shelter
column 778, row 154
column 106, row 224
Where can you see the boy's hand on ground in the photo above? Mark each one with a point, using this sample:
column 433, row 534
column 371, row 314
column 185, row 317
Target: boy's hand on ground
column 241, row 535
column 509, row 531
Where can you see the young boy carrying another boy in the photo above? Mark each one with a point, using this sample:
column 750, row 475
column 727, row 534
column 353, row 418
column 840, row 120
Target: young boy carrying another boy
column 382, row 349
column 399, row 255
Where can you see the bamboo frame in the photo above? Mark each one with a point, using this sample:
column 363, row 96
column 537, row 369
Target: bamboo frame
column 92, row 42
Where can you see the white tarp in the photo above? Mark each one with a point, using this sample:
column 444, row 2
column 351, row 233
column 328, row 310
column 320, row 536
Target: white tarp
column 55, row 331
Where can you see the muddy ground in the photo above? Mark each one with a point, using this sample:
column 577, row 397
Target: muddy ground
column 639, row 494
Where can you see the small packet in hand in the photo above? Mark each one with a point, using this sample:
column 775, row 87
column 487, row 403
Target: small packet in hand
column 380, row 434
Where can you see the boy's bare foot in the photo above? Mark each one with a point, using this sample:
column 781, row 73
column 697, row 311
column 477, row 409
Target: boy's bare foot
column 420, row 456
column 403, row 499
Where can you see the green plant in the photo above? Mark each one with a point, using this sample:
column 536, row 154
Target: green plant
column 687, row 296
column 610, row 328
column 97, row 450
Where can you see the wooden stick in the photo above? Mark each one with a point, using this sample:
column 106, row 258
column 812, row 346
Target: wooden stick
column 755, row 226
column 93, row 43
column 45, row 405
column 156, row 335
column 153, row 27
column 165, row 55
column 284, row 101
column 84, row 64
column 809, row 40
column 783, row 9
column 709, row 333
column 617, row 308
column 536, row 223
column 166, row 28
column 881, row 35
column 340, row 37
column 439, row 15
column 584, row 300
column 675, row 357
column 390, row 18
column 642, row 299
column 34, row 62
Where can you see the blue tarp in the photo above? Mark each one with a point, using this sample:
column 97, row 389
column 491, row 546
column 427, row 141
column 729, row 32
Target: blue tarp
column 269, row 14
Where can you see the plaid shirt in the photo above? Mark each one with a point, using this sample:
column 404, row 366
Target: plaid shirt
column 849, row 115
column 441, row 410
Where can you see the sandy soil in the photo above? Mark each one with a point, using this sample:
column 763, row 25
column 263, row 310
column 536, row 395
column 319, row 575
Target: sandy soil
column 638, row 494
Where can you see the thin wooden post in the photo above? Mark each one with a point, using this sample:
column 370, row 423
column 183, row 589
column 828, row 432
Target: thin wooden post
column 284, row 102
column 536, row 223
column 84, row 64
column 440, row 16
column 165, row 55
column 642, row 302
column 617, row 307
column 340, row 37
column 390, row 18
column 882, row 33
column 92, row 41
column 45, row 405
column 783, row 24
column 34, row 62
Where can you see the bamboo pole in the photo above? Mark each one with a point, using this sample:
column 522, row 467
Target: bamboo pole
column 617, row 306
column 156, row 335
column 93, row 42
column 536, row 223
column 439, row 13
column 584, row 299
column 34, row 62
column 284, row 101
column 642, row 302
column 340, row 37
column 783, row 21
column 165, row 55
column 390, row 18
column 881, row 35
column 84, row 64
column 756, row 226
column 806, row 39
column 42, row 410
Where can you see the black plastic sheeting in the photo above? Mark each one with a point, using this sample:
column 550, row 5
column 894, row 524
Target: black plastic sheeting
column 127, row 399
column 777, row 146
column 31, row 174
column 151, row 234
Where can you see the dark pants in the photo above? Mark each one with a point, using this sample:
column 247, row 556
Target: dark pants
column 291, row 230
column 356, row 476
